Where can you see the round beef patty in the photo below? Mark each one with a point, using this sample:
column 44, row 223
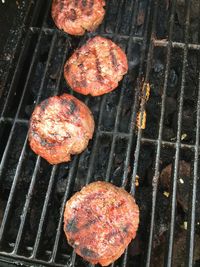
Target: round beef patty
column 96, row 68
column 60, row 126
column 100, row 221
column 77, row 16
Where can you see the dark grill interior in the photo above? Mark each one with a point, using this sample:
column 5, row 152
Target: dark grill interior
column 162, row 43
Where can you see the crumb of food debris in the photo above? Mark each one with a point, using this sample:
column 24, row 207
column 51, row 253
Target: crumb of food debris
column 137, row 180
column 181, row 181
column 173, row 139
column 166, row 194
column 141, row 120
column 185, row 225
column 183, row 136
column 146, row 90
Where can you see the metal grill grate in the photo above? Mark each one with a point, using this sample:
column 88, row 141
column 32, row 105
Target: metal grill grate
column 34, row 193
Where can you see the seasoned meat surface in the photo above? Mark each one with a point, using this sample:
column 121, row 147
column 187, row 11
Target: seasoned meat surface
column 77, row 16
column 100, row 221
column 96, row 68
column 60, row 126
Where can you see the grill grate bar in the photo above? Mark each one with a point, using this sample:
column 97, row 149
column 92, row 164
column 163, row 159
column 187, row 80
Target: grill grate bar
column 119, row 13
column 177, row 153
column 142, row 107
column 20, row 36
column 165, row 43
column 22, row 57
column 66, row 195
column 166, row 143
column 190, row 252
column 5, row 154
column 136, row 39
column 44, row 211
column 95, row 138
column 129, row 145
column 24, row 260
column 52, row 177
column 26, row 206
column 159, row 141
column 17, row 174
column 12, row 192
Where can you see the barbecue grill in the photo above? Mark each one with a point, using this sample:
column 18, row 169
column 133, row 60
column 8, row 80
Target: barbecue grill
column 162, row 43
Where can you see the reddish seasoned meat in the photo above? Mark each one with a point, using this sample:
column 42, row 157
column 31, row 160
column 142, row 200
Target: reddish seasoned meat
column 96, row 68
column 77, row 16
column 100, row 221
column 60, row 126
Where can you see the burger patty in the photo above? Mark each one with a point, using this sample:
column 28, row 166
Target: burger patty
column 60, row 126
column 96, row 67
column 100, row 221
column 77, row 16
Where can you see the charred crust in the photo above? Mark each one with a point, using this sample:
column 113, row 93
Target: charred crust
column 45, row 143
column 113, row 59
column 67, row 68
column 84, row 3
column 44, row 104
column 90, row 222
column 61, row 5
column 91, row 3
column 72, row 15
column 76, row 3
column 98, row 67
column 90, row 7
column 72, row 226
column 72, row 106
column 72, row 242
column 125, row 229
column 88, row 253
column 82, row 83
column 115, row 233
column 69, row 103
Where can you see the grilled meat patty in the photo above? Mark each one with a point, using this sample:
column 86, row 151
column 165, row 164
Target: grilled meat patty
column 77, row 16
column 100, row 221
column 60, row 126
column 96, row 67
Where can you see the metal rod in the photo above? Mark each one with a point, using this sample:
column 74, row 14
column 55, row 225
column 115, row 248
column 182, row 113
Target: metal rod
column 159, row 141
column 190, row 252
column 52, row 177
column 177, row 153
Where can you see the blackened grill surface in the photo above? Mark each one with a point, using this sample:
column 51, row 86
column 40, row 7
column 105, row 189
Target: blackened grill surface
column 161, row 40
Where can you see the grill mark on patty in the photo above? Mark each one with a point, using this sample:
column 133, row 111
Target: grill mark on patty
column 89, row 223
column 76, row 3
column 67, row 68
column 72, row 242
column 72, row 14
column 90, row 7
column 113, row 59
column 83, row 81
column 84, row 3
column 98, row 67
column 45, row 143
column 61, row 5
column 71, row 104
column 114, row 233
column 89, row 253
column 125, row 228
column 72, row 226
column 44, row 104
